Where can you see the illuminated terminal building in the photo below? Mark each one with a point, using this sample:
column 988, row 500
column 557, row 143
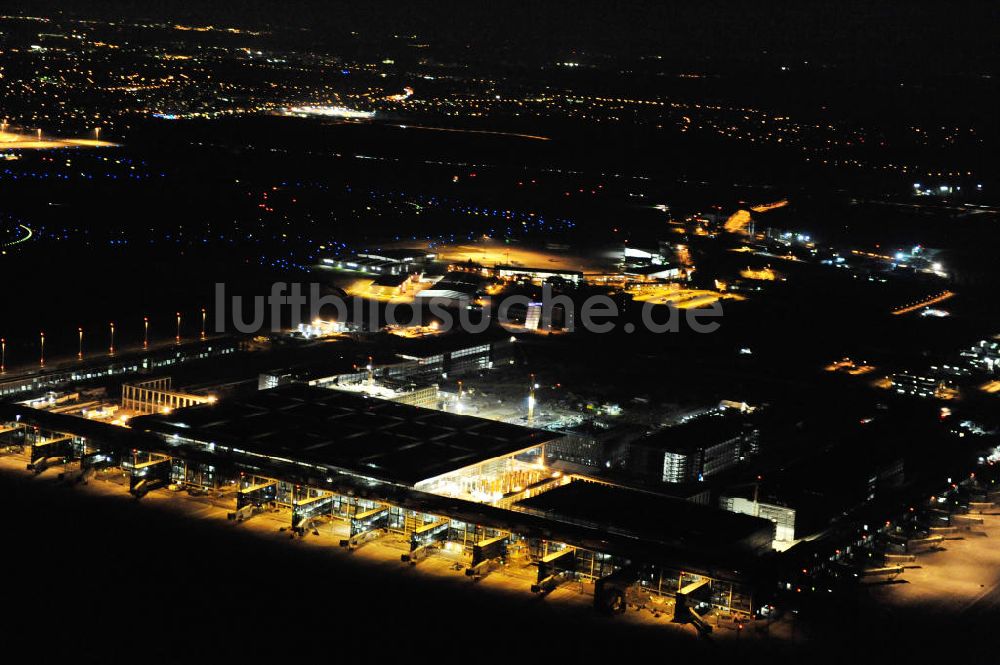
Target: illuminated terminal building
column 335, row 432
column 479, row 488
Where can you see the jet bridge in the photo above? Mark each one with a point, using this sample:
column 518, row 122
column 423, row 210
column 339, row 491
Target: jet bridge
column 366, row 525
column 688, row 598
column 611, row 591
column 554, row 569
column 44, row 452
column 308, row 511
column 424, row 537
column 253, row 496
column 12, row 437
column 91, row 460
column 147, row 472
column 486, row 555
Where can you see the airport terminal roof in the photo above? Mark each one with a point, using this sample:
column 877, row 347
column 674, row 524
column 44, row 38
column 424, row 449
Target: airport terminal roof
column 356, row 433
column 652, row 517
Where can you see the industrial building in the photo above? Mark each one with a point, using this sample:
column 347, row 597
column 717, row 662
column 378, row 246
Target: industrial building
column 421, row 361
column 694, row 450
column 593, row 444
column 384, row 262
column 915, row 385
column 574, row 277
column 826, row 483
column 648, row 265
column 388, row 285
column 650, row 273
column 393, row 390
column 984, row 355
column 783, row 517
column 456, row 288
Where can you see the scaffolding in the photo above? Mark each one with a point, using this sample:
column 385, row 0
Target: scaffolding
column 157, row 396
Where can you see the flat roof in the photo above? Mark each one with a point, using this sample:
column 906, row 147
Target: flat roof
column 699, row 432
column 356, row 433
column 447, row 343
column 652, row 517
column 547, row 271
column 390, row 280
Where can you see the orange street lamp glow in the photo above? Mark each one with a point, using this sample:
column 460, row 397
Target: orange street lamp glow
column 111, row 349
column 79, row 352
column 203, row 323
column 178, row 338
column 145, row 332
column 41, row 360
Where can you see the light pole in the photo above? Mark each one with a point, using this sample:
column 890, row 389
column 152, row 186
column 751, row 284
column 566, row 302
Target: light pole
column 79, row 352
column 177, row 339
column 41, row 360
column 111, row 349
column 145, row 332
column 203, row 314
column 3, row 355
column 531, row 400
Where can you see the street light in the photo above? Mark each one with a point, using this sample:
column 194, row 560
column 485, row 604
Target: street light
column 203, row 323
column 3, row 354
column 111, row 349
column 531, row 399
column 79, row 352
column 41, row 360
column 145, row 332
column 177, row 339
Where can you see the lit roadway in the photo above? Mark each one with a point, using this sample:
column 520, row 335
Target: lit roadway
column 931, row 300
